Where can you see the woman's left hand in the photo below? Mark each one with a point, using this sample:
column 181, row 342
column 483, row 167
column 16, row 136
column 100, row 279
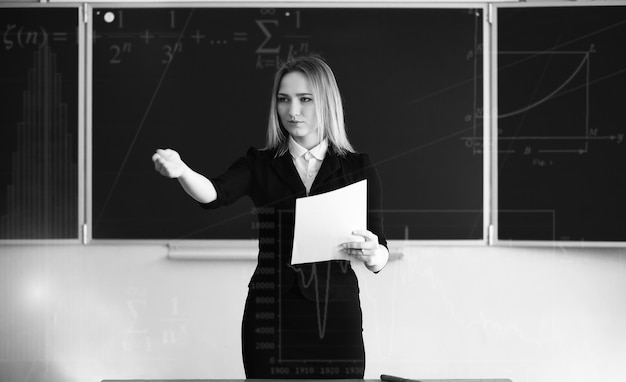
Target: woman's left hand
column 370, row 252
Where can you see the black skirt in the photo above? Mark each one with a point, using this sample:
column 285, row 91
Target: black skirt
column 290, row 336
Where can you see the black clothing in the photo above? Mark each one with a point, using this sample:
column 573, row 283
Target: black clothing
column 301, row 321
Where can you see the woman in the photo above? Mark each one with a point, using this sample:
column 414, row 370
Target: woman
column 300, row 321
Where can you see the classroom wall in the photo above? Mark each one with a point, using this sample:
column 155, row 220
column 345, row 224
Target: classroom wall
column 84, row 313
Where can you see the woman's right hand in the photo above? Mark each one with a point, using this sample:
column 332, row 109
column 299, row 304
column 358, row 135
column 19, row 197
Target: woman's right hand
column 168, row 163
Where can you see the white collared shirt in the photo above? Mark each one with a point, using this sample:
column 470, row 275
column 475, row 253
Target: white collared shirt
column 307, row 162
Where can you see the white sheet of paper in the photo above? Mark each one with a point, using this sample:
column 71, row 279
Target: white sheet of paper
column 325, row 221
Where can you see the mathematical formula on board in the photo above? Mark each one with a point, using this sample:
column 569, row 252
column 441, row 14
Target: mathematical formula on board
column 411, row 77
column 16, row 36
column 270, row 34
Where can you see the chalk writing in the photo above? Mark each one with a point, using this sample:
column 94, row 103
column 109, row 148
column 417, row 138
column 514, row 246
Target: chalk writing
column 265, row 26
column 118, row 50
column 146, row 333
column 271, row 38
column 23, row 36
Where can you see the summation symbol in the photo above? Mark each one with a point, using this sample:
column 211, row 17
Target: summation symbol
column 269, row 50
column 265, row 26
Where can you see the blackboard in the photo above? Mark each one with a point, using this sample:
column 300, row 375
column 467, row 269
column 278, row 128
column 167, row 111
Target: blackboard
column 199, row 81
column 561, row 99
column 39, row 123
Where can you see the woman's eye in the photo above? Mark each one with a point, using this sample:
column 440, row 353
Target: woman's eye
column 282, row 99
column 306, row 99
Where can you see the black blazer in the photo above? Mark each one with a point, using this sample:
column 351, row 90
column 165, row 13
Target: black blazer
column 273, row 184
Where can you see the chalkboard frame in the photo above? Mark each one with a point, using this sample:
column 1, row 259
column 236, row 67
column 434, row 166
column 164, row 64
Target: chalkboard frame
column 193, row 243
column 490, row 127
column 543, row 216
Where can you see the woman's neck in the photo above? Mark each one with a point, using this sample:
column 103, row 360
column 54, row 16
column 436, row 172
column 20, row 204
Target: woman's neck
column 307, row 142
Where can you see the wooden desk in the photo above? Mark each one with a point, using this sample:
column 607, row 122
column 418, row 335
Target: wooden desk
column 299, row 380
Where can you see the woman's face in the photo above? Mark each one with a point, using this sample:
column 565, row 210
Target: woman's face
column 296, row 109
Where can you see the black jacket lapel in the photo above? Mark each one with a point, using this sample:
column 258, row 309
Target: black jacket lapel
column 285, row 169
column 330, row 165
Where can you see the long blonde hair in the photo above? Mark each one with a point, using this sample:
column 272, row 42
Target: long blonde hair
column 328, row 105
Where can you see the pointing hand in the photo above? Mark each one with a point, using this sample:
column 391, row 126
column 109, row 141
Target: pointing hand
column 168, row 163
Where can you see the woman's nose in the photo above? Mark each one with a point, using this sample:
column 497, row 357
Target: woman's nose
column 294, row 109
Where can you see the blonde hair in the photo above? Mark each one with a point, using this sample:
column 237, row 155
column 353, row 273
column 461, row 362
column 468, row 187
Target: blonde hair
column 328, row 106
